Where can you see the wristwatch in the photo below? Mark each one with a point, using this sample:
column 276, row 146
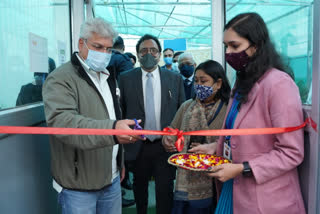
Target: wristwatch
column 247, row 172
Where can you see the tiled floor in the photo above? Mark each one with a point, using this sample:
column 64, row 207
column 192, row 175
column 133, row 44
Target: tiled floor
column 151, row 210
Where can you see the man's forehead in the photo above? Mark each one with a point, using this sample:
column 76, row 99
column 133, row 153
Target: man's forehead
column 100, row 39
column 186, row 60
column 150, row 43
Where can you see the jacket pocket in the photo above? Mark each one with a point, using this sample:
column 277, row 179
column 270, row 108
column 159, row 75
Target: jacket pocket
column 75, row 163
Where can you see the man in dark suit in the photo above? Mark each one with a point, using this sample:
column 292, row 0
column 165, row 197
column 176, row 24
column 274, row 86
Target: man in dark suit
column 187, row 65
column 152, row 95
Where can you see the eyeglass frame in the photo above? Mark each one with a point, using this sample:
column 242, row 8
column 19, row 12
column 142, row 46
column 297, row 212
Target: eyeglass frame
column 146, row 50
column 98, row 47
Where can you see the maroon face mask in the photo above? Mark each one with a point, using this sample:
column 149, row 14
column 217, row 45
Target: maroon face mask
column 238, row 61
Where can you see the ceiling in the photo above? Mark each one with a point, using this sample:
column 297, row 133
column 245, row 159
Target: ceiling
column 190, row 19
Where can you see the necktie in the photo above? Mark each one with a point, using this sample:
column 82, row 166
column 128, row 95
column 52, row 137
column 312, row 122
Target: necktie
column 150, row 123
column 187, row 82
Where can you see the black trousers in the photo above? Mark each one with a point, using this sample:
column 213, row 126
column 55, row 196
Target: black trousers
column 152, row 160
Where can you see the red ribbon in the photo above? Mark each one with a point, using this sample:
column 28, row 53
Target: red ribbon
column 166, row 131
column 180, row 139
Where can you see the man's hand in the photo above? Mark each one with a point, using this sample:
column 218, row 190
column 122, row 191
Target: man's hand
column 123, row 174
column 125, row 125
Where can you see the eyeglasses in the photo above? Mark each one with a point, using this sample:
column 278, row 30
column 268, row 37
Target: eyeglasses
column 153, row 51
column 99, row 47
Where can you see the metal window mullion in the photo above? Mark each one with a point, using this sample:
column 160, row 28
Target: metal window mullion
column 76, row 19
column 314, row 178
column 218, row 21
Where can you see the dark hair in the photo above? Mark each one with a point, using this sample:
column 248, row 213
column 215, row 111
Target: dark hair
column 177, row 53
column 148, row 37
column 40, row 74
column 216, row 71
column 168, row 49
column 52, row 65
column 130, row 55
column 118, row 44
column 252, row 27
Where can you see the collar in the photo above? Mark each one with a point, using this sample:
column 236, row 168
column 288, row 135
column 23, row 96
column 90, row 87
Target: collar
column 154, row 72
column 190, row 78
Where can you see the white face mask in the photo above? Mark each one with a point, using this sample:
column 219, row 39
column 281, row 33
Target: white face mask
column 97, row 61
column 175, row 66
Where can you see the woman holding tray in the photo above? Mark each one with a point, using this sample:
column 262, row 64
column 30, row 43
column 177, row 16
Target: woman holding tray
column 263, row 176
column 194, row 191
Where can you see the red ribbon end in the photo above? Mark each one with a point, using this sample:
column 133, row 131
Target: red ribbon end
column 312, row 124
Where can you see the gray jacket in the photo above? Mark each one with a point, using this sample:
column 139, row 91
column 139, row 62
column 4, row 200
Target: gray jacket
column 71, row 100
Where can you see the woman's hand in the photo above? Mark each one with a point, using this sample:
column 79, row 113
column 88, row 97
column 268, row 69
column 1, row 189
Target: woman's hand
column 226, row 172
column 168, row 144
column 194, row 145
column 204, row 148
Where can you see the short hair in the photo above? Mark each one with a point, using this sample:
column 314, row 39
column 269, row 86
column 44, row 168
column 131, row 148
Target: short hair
column 148, row 37
column 130, row 55
column 216, row 71
column 40, row 74
column 177, row 53
column 98, row 26
column 52, row 64
column 186, row 55
column 168, row 49
column 118, row 43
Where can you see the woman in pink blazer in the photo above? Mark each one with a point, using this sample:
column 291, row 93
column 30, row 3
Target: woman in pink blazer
column 263, row 176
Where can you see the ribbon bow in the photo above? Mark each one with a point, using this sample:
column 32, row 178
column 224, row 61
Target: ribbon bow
column 180, row 139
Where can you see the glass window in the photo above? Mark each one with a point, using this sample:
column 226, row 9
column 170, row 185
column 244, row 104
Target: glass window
column 290, row 26
column 35, row 38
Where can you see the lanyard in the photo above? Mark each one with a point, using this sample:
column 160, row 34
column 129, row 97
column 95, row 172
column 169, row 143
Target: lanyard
column 216, row 114
column 232, row 115
column 201, row 139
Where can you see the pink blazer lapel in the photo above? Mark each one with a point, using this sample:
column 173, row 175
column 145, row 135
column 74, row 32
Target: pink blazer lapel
column 243, row 112
column 246, row 107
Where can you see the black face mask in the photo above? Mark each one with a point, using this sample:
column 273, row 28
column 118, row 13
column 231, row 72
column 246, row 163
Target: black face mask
column 238, row 61
column 186, row 70
column 148, row 61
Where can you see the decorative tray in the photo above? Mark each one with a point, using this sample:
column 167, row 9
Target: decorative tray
column 196, row 162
